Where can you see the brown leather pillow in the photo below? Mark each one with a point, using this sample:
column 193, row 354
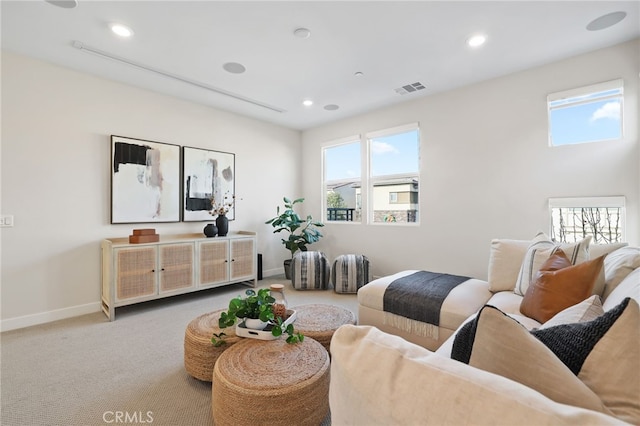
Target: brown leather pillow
column 559, row 285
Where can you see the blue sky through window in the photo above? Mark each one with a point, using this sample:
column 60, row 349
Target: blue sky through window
column 343, row 162
column 586, row 118
column 390, row 155
column 395, row 154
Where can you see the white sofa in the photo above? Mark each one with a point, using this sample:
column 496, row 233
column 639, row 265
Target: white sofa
column 379, row 377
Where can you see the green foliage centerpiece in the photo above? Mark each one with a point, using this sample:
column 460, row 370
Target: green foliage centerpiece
column 255, row 305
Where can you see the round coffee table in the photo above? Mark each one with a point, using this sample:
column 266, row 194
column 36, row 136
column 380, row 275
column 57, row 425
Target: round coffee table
column 271, row 382
column 320, row 321
column 200, row 354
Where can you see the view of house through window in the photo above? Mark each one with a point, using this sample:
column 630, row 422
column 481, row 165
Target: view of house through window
column 572, row 219
column 390, row 187
column 586, row 114
column 342, row 177
column 394, row 158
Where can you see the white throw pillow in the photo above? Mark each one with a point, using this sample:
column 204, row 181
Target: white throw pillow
column 505, row 260
column 618, row 265
column 539, row 251
column 586, row 310
column 597, row 250
column 629, row 287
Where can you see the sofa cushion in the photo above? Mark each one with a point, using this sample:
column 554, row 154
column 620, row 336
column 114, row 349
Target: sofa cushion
column 597, row 250
column 513, row 352
column 539, row 251
column 618, row 265
column 584, row 311
column 381, row 379
column 604, row 353
column 505, row 260
column 629, row 287
column 559, row 285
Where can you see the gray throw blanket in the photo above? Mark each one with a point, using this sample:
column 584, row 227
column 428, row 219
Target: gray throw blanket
column 419, row 296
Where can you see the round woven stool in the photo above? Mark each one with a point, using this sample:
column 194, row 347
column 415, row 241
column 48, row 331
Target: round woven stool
column 320, row 321
column 199, row 353
column 271, row 383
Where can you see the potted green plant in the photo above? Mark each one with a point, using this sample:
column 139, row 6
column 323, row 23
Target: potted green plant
column 300, row 232
column 257, row 306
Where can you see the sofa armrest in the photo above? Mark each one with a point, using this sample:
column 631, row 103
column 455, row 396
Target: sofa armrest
column 381, row 379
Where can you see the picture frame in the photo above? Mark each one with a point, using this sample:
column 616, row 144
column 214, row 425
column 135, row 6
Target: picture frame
column 145, row 181
column 207, row 175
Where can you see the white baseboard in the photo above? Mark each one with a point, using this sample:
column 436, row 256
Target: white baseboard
column 49, row 316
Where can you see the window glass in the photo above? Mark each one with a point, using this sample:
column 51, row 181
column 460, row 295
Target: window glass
column 572, row 219
column 588, row 114
column 342, row 177
column 394, row 159
column 394, row 154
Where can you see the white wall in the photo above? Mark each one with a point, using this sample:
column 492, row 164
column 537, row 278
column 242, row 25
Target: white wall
column 487, row 173
column 487, row 170
column 56, row 127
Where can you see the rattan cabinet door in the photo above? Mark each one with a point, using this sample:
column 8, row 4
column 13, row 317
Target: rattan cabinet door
column 214, row 262
column 135, row 272
column 176, row 267
column 243, row 258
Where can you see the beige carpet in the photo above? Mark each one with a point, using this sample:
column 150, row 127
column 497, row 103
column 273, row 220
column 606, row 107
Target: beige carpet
column 87, row 371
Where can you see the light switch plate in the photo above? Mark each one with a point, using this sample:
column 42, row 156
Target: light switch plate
column 6, row 221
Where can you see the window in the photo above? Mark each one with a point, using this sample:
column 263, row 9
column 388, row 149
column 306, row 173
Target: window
column 586, row 114
column 374, row 177
column 394, row 161
column 572, row 219
column 342, row 177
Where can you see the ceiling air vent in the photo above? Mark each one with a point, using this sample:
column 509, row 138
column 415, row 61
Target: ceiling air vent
column 409, row 88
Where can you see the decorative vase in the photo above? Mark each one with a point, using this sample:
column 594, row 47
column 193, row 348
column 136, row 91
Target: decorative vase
column 211, row 230
column 254, row 323
column 223, row 225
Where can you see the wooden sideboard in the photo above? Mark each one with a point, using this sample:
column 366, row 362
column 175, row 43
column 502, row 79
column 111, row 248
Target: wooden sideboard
column 177, row 264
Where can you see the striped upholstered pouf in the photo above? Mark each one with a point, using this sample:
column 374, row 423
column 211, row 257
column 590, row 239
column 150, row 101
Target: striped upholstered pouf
column 350, row 272
column 310, row 271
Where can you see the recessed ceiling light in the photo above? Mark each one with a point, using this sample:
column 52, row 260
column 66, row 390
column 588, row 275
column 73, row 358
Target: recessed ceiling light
column 331, row 107
column 359, row 74
column 606, row 21
column 301, row 33
column 307, row 102
column 67, row 4
column 121, row 30
column 476, row 40
column 234, row 68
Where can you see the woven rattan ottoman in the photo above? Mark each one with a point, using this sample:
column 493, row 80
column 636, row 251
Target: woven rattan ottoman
column 271, row 383
column 199, row 353
column 320, row 321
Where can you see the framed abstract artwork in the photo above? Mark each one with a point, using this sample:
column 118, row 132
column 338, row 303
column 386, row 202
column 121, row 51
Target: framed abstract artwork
column 145, row 181
column 208, row 177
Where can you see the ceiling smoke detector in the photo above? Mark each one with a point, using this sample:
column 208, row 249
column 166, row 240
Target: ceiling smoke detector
column 302, row 33
column 409, row 88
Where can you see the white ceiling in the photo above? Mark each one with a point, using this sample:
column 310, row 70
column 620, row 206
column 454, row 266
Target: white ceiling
column 393, row 43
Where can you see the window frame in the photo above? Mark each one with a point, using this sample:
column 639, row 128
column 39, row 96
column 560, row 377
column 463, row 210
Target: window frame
column 364, row 198
column 372, row 180
column 332, row 144
column 591, row 202
column 585, row 92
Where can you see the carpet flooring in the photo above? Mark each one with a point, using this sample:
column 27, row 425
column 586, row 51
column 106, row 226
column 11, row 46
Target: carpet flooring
column 88, row 371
